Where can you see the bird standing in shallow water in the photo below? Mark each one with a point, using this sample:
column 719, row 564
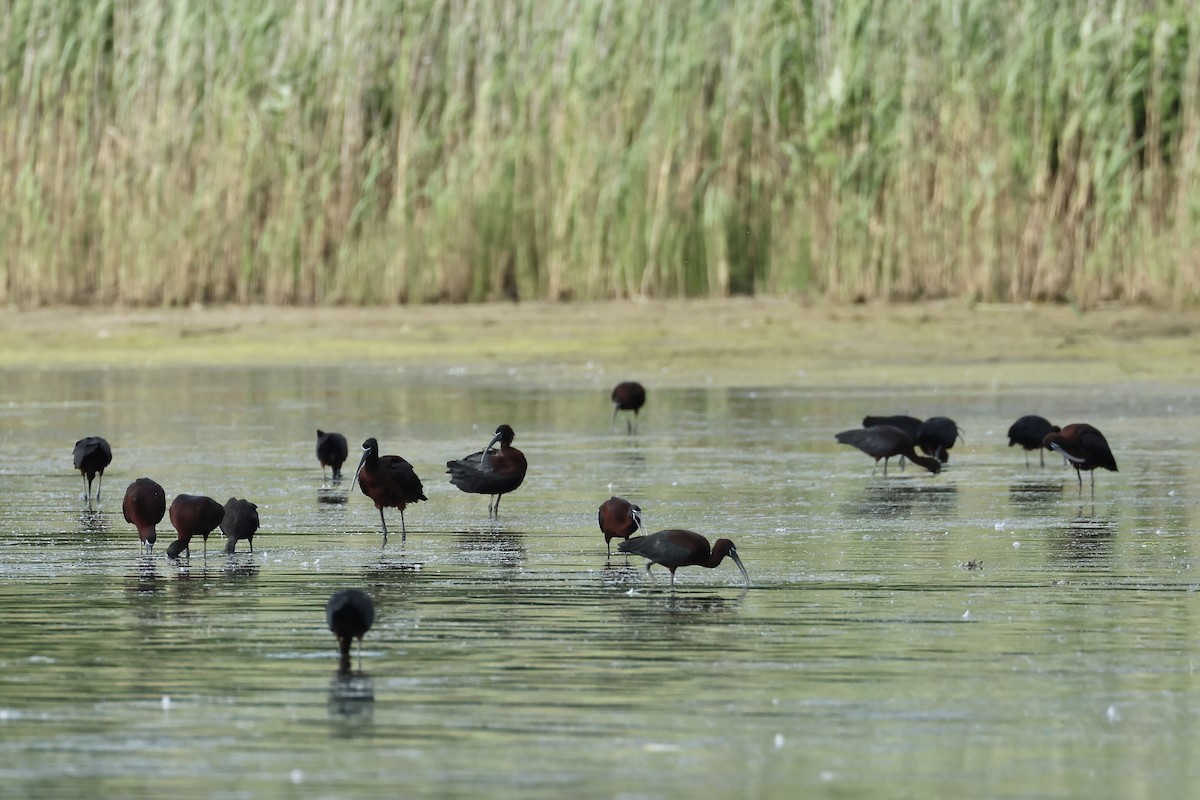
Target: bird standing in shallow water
column 628, row 396
column 332, row 451
column 193, row 515
column 144, row 506
column 936, row 436
column 619, row 519
column 92, row 455
column 1086, row 449
column 240, row 522
column 679, row 548
column 884, row 441
column 1030, row 432
column 349, row 614
column 491, row 472
column 390, row 481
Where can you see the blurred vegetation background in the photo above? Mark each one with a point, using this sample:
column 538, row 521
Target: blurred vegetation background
column 376, row 151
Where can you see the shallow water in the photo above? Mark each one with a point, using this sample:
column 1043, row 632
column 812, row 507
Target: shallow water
column 512, row 658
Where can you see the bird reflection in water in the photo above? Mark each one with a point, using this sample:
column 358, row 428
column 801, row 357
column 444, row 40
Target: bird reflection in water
column 897, row 497
column 145, row 578
column 1086, row 540
column 492, row 546
column 1033, row 493
column 92, row 522
column 351, row 702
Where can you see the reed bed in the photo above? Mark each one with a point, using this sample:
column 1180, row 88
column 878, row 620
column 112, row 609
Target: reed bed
column 372, row 151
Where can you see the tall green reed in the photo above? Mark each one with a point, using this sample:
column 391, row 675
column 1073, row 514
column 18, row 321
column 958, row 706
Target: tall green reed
column 368, row 151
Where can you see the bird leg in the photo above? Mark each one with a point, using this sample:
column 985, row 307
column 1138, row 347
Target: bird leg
column 99, row 486
column 383, row 522
column 1041, row 456
column 885, row 463
column 403, row 539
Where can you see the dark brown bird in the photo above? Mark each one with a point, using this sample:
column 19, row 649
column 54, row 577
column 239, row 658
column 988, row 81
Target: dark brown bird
column 628, row 396
column 332, row 452
column 349, row 613
column 193, row 515
column 619, row 519
column 491, row 472
column 936, row 436
column 884, row 441
column 1030, row 432
column 678, row 548
column 390, row 481
column 910, row 425
column 144, row 506
column 240, row 522
column 1086, row 449
column 92, row 456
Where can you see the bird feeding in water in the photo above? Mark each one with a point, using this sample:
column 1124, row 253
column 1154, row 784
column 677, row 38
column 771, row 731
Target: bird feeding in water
column 144, row 506
column 628, row 396
column 884, row 441
column 240, row 522
column 491, row 472
column 92, row 455
column 390, row 482
column 193, row 515
column 1085, row 447
column 679, row 548
column 349, row 614
column 332, row 451
column 619, row 519
column 936, row 436
column 1030, row 432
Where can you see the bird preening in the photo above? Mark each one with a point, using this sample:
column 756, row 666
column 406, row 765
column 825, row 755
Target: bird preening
column 619, row 519
column 491, row 472
column 1085, row 448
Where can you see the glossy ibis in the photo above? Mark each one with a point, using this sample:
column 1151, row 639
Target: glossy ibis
column 144, row 506
column 1030, row 432
column 1083, row 446
column 910, row 425
column 349, row 613
column 92, row 455
column 884, row 441
column 491, row 472
column 390, row 481
column 240, row 522
column 332, row 451
column 678, row 548
column 628, row 396
column 619, row 519
column 936, row 436
column 193, row 515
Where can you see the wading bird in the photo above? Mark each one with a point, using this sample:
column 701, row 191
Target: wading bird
column 1030, row 432
column 144, row 506
column 491, row 472
column 1086, row 449
column 92, row 455
column 884, row 441
column 628, row 396
column 349, row 613
column 910, row 425
column 332, row 451
column 678, row 548
column 240, row 522
column 390, row 481
column 619, row 519
column 193, row 515
column 936, row 436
